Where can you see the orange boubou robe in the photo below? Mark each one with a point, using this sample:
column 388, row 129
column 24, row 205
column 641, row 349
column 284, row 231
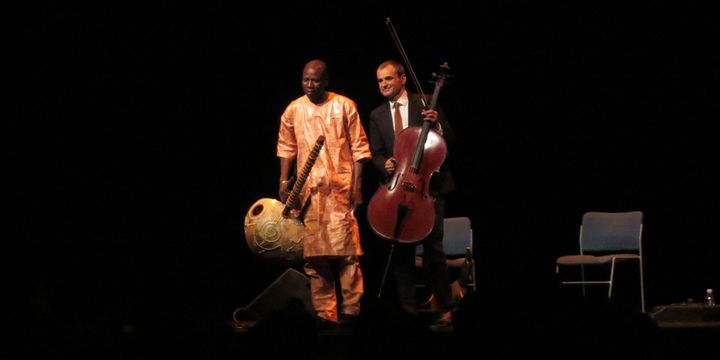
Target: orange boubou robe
column 332, row 228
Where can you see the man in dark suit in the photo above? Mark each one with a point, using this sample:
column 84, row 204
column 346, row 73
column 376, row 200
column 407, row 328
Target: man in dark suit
column 386, row 121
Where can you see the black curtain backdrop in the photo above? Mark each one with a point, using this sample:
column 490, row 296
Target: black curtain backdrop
column 145, row 132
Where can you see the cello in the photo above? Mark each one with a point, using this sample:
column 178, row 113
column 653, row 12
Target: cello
column 403, row 209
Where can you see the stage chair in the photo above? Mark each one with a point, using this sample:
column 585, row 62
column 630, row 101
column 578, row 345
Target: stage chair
column 606, row 238
column 458, row 247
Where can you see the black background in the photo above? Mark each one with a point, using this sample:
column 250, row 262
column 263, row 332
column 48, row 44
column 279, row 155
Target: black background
column 145, row 132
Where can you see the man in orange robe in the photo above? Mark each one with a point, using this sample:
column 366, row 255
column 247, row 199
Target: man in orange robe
column 333, row 187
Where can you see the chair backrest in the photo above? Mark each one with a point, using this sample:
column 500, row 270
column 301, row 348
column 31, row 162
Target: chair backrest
column 608, row 231
column 457, row 236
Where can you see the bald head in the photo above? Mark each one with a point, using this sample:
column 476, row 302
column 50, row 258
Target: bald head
column 318, row 66
column 315, row 80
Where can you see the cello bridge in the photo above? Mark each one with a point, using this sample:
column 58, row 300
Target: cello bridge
column 409, row 186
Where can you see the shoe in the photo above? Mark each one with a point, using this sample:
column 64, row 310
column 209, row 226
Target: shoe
column 442, row 323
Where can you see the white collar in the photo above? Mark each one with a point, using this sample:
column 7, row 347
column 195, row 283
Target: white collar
column 403, row 99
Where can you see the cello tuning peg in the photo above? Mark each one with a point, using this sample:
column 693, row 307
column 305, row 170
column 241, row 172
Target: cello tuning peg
column 443, row 72
column 440, row 77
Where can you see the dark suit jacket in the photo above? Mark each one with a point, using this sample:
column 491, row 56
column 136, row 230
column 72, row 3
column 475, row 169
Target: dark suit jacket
column 382, row 141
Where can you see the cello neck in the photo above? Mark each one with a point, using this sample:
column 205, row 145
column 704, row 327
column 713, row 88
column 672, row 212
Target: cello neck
column 420, row 148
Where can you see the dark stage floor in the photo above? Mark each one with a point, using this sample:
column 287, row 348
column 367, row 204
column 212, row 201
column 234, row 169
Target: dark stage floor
column 566, row 328
column 557, row 327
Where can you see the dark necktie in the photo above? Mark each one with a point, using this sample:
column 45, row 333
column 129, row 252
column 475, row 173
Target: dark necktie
column 398, row 119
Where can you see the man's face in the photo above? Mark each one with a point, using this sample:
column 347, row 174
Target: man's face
column 389, row 83
column 314, row 83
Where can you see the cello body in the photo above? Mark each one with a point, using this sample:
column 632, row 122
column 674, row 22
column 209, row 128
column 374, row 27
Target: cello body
column 403, row 209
